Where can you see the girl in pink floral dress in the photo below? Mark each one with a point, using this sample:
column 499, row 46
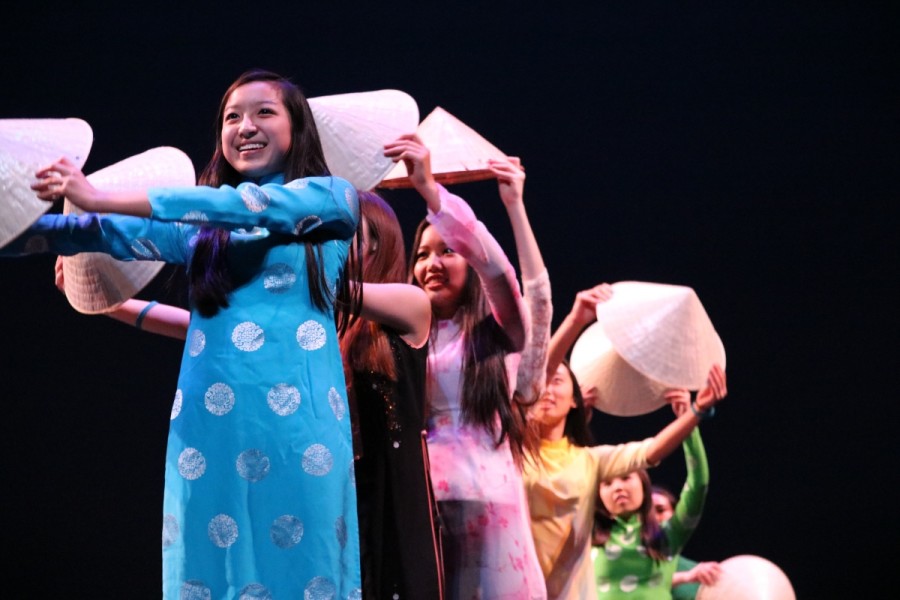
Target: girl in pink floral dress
column 475, row 431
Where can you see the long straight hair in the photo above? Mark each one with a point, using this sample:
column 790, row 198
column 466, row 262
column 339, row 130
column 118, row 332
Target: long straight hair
column 208, row 273
column 364, row 345
column 486, row 392
column 651, row 533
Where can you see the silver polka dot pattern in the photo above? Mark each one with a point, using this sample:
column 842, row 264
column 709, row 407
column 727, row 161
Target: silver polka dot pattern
column 255, row 591
column 219, row 399
column 613, row 552
column 279, row 278
column 222, row 531
column 248, row 337
column 629, row 583
column 297, row 184
column 337, row 403
column 170, row 531
column 191, row 464
column 255, row 199
column 320, row 588
column 311, row 335
column 195, row 216
column 176, row 405
column 340, row 531
column 348, row 198
column 253, row 465
column 194, row 590
column 283, row 399
column 286, row 531
column 317, row 460
column 197, row 343
column 307, row 224
column 145, row 249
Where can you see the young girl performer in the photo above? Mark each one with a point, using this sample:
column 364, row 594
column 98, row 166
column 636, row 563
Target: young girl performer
column 562, row 480
column 474, row 434
column 635, row 555
column 259, row 497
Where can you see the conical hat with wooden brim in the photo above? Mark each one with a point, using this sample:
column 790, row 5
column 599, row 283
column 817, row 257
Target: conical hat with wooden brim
column 459, row 154
column 355, row 127
column 97, row 283
column 27, row 145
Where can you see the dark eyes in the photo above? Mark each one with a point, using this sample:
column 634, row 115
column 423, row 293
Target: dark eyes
column 233, row 116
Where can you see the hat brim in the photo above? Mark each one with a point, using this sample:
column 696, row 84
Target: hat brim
column 459, row 154
column 621, row 389
column 97, row 283
column 27, row 145
column 662, row 331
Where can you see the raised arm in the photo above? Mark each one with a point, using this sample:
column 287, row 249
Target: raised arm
column 687, row 513
column 665, row 442
column 583, row 312
column 532, row 371
column 457, row 225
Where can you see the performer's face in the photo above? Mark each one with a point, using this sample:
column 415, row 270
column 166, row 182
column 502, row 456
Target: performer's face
column 441, row 272
column 662, row 508
column 256, row 129
column 622, row 495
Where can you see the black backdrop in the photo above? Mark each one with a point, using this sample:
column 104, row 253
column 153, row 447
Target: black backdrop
column 746, row 150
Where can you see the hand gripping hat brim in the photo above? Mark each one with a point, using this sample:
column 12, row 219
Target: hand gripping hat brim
column 97, row 283
column 459, row 154
column 355, row 127
column 648, row 337
column 27, row 145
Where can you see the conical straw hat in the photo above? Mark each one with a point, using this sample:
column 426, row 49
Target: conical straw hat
column 97, row 283
column 663, row 332
column 27, row 145
column 748, row 577
column 622, row 391
column 355, row 127
column 458, row 153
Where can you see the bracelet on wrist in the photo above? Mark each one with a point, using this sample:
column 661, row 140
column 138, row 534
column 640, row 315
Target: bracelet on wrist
column 709, row 413
column 138, row 323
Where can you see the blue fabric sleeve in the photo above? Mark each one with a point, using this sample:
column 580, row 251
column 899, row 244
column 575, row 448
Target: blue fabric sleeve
column 327, row 205
column 122, row 237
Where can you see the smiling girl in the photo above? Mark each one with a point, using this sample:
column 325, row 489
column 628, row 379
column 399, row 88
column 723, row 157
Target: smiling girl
column 259, row 495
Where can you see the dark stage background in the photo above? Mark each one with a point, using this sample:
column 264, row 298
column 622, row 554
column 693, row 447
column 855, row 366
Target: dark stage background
column 748, row 150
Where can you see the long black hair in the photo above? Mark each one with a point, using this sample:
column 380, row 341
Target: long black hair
column 486, row 391
column 208, row 272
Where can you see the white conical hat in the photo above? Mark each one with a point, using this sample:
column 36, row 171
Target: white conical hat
column 97, row 283
column 663, row 332
column 27, row 145
column 748, row 577
column 621, row 390
column 354, row 129
column 458, row 153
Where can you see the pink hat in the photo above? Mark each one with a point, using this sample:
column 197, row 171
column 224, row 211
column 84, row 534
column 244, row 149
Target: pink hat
column 458, row 153
column 27, row 145
column 355, row 127
column 97, row 283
